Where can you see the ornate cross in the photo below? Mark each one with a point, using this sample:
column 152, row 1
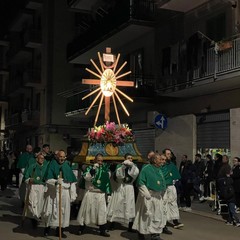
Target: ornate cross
column 108, row 81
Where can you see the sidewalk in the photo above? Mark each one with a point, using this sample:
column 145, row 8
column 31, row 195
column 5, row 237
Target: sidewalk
column 205, row 209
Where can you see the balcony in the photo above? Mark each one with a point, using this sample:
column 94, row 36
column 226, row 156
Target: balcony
column 13, row 121
column 23, row 119
column 17, row 52
column 143, row 98
column 75, row 104
column 16, row 85
column 180, row 5
column 32, row 78
column 33, row 4
column 23, row 16
column 33, row 38
column 128, row 20
column 219, row 71
column 3, row 69
column 84, row 5
column 30, row 118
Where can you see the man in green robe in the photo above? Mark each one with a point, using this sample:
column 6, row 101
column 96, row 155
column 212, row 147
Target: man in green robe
column 121, row 207
column 61, row 184
column 93, row 208
column 150, row 209
column 171, row 175
column 33, row 177
column 25, row 159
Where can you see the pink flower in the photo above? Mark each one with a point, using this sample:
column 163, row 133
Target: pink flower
column 110, row 132
column 110, row 126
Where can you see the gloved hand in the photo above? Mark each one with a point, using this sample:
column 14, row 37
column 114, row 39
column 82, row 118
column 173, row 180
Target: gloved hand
column 96, row 165
column 148, row 208
column 128, row 163
column 148, row 197
column 60, row 181
column 92, row 171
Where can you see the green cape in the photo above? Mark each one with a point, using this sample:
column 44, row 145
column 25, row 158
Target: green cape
column 152, row 178
column 24, row 159
column 37, row 172
column 54, row 169
column 170, row 173
column 101, row 179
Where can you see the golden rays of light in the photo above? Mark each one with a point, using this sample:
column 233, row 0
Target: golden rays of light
column 107, row 79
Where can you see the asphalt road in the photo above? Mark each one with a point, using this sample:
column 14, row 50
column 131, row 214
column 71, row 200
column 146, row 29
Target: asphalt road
column 199, row 225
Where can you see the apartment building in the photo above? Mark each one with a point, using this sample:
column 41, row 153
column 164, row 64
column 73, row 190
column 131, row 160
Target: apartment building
column 184, row 59
column 38, row 71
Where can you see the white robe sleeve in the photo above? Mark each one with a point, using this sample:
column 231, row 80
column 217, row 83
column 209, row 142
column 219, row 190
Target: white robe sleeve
column 73, row 192
column 120, row 172
column 144, row 192
column 27, row 181
column 88, row 177
column 51, row 182
column 133, row 171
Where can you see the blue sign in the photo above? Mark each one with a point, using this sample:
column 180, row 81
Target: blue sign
column 161, row 121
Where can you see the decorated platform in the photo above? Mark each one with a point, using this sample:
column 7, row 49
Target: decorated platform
column 110, row 152
column 112, row 141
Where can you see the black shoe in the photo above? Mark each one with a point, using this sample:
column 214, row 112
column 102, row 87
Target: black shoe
column 177, row 224
column 130, row 224
column 34, row 223
column 81, row 230
column 46, row 231
column 111, row 226
column 141, row 236
column 104, row 234
column 155, row 237
column 167, row 231
column 63, row 235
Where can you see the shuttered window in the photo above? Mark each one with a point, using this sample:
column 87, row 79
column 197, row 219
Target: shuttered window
column 145, row 140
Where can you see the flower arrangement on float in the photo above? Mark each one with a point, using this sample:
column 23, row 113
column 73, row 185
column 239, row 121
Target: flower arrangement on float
column 110, row 132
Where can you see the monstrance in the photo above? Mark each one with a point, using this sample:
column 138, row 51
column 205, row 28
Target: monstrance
column 108, row 79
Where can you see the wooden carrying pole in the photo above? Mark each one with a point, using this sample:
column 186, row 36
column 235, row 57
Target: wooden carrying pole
column 60, row 207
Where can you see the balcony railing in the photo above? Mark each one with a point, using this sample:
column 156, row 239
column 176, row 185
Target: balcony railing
column 221, row 59
column 26, row 118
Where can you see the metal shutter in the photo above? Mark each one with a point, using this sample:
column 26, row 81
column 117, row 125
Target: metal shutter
column 213, row 131
column 145, row 140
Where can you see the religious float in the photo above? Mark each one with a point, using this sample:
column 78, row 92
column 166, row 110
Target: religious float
column 110, row 139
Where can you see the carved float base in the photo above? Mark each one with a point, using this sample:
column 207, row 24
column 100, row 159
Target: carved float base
column 110, row 151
